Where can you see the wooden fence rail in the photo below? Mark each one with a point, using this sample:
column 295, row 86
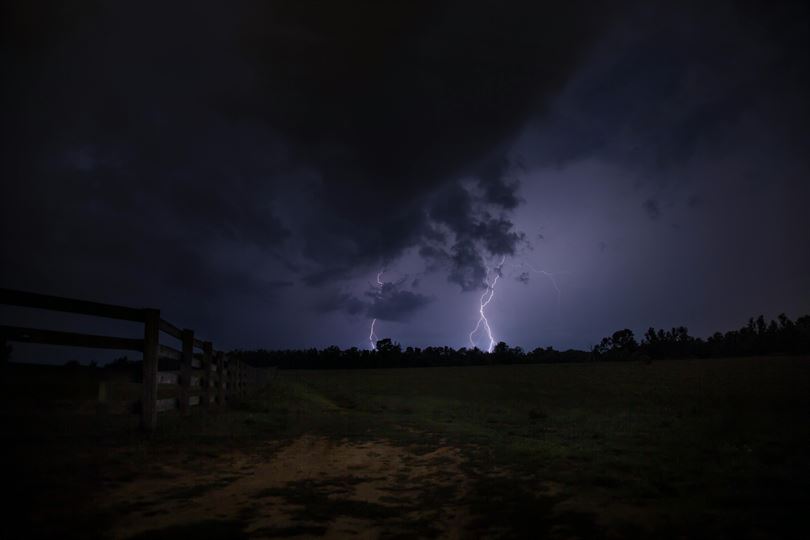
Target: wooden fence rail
column 206, row 378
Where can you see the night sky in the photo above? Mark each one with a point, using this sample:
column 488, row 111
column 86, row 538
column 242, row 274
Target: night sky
column 250, row 167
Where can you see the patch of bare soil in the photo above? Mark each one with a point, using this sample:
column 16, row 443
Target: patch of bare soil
column 312, row 487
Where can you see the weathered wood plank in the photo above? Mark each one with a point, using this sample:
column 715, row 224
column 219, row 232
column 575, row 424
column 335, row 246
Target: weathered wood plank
column 70, row 305
column 168, row 352
column 168, row 404
column 169, row 328
column 53, row 337
column 185, row 370
column 208, row 350
column 168, row 377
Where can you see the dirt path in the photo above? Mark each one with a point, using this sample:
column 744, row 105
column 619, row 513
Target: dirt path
column 312, row 487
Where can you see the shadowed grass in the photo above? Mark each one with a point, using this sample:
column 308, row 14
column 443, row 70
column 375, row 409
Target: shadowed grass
column 209, row 529
column 679, row 448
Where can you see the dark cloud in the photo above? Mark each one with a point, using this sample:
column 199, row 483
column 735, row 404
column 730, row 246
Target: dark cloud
column 397, row 305
column 652, row 208
column 499, row 182
column 468, row 269
column 317, row 134
column 498, row 235
column 389, row 302
column 465, row 213
column 390, row 104
column 200, row 159
column 674, row 80
column 342, row 301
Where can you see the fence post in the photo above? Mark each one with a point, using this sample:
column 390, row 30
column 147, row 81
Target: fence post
column 206, row 382
column 151, row 344
column 185, row 370
column 220, row 378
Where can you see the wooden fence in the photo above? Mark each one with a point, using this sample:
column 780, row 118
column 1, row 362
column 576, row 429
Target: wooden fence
column 206, row 378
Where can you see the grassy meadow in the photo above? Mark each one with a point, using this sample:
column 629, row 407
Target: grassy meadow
column 671, row 449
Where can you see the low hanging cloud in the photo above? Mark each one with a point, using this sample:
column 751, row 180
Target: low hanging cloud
column 396, row 304
column 391, row 301
column 473, row 223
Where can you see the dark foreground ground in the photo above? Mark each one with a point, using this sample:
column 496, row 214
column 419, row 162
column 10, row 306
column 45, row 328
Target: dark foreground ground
column 676, row 449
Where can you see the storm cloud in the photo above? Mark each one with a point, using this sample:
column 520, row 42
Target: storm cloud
column 247, row 166
column 392, row 301
column 217, row 118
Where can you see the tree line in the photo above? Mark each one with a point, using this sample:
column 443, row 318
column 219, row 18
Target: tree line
column 758, row 337
column 390, row 354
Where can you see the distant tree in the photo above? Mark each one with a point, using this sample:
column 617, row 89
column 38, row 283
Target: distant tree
column 386, row 347
column 121, row 361
column 620, row 345
column 624, row 341
column 603, row 348
column 802, row 330
column 761, row 326
column 330, row 356
column 674, row 343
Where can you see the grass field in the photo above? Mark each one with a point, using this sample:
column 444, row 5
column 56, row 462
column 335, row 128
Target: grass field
column 672, row 449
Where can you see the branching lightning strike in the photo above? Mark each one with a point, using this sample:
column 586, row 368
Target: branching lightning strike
column 372, row 337
column 486, row 298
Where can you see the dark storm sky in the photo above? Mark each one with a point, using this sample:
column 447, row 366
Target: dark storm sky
column 249, row 167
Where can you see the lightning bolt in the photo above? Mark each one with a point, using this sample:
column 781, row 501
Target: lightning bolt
column 372, row 337
column 486, row 298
